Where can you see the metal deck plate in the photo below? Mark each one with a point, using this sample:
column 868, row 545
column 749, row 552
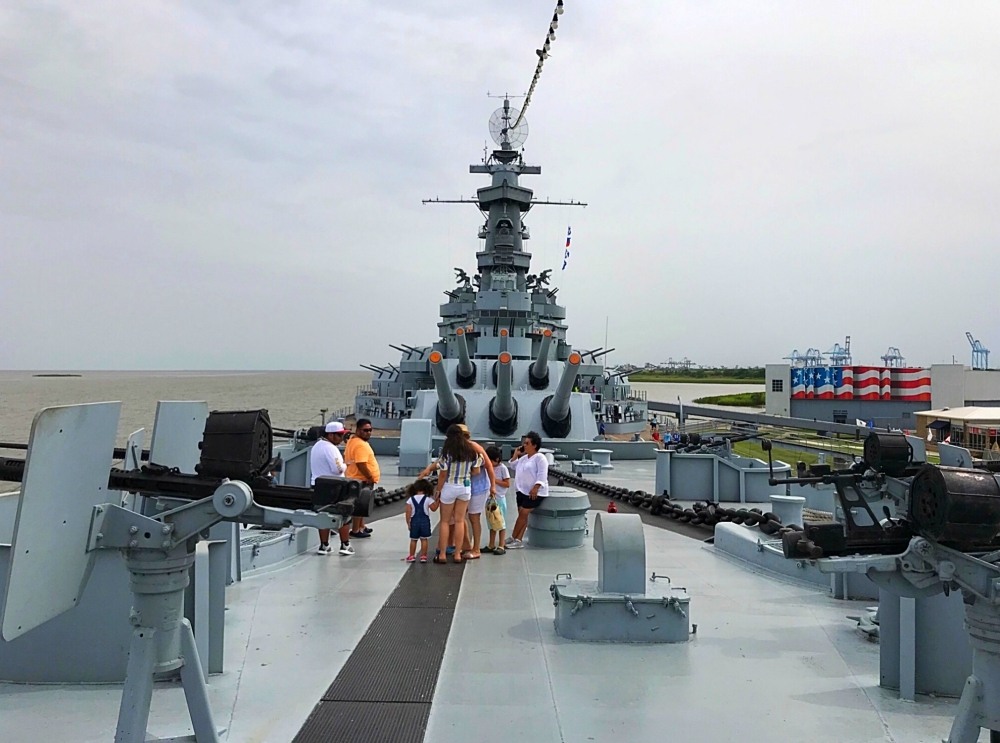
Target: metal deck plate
column 384, row 691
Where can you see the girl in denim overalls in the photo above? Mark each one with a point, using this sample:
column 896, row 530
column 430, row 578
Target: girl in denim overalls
column 419, row 505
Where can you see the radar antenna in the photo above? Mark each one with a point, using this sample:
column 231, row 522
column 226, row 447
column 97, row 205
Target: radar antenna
column 502, row 130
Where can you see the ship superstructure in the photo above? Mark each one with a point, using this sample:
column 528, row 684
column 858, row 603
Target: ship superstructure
column 503, row 364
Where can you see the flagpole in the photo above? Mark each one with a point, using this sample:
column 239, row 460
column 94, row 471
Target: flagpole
column 605, row 342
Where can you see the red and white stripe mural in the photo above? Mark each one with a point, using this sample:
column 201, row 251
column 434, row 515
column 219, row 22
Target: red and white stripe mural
column 861, row 383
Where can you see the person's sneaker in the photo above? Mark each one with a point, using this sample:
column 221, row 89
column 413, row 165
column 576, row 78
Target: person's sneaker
column 411, row 558
column 367, row 530
column 515, row 545
column 359, row 535
column 346, row 550
column 325, row 549
column 509, row 541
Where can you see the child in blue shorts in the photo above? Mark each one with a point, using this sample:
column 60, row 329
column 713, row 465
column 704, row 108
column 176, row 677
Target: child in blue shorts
column 419, row 505
column 502, row 477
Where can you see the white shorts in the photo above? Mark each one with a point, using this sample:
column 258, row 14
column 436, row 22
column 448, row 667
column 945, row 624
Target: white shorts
column 477, row 504
column 452, row 491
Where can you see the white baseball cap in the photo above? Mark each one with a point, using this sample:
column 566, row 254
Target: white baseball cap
column 335, row 427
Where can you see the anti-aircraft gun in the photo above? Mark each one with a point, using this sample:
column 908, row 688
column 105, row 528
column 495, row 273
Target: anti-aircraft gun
column 944, row 536
column 71, row 506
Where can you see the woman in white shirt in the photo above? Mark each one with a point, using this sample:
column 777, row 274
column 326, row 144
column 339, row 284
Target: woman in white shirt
column 531, row 478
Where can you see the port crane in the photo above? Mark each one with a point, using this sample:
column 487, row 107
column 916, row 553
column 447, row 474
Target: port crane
column 980, row 354
column 893, row 358
column 840, row 355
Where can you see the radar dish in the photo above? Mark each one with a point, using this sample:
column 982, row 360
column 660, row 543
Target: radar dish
column 502, row 131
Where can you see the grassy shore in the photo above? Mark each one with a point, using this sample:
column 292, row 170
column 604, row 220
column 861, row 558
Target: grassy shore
column 686, row 379
column 740, row 399
column 701, row 375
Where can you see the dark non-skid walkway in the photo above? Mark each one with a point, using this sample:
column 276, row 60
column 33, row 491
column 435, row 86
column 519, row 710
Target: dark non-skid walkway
column 383, row 693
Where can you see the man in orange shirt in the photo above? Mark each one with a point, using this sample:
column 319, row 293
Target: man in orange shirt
column 361, row 465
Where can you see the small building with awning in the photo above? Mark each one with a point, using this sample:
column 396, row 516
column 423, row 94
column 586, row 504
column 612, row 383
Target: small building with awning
column 975, row 428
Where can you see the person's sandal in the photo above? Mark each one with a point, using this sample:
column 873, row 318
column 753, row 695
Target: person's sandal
column 499, row 551
column 438, row 560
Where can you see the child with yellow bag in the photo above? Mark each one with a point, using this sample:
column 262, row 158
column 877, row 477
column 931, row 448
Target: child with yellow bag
column 496, row 506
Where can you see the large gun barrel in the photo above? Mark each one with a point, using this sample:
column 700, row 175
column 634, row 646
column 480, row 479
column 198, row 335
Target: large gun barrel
column 503, row 407
column 556, row 418
column 503, row 339
column 538, row 372
column 465, row 375
column 450, row 407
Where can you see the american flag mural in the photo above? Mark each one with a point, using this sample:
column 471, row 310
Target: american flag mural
column 798, row 383
column 843, row 382
column 866, row 382
column 885, row 384
column 861, row 383
column 911, row 384
column 824, row 383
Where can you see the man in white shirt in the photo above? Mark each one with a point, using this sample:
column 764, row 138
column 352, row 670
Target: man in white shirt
column 531, row 478
column 325, row 460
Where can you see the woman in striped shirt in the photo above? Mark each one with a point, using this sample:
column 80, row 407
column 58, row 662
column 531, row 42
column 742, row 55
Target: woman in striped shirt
column 458, row 463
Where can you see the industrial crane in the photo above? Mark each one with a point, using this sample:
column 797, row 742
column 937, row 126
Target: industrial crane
column 980, row 354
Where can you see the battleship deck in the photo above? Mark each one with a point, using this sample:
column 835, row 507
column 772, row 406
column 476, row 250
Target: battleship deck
column 770, row 660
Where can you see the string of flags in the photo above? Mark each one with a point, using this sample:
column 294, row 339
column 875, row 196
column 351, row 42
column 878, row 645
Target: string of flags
column 569, row 237
column 543, row 54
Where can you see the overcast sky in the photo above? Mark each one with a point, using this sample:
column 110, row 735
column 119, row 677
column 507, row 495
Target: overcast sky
column 216, row 185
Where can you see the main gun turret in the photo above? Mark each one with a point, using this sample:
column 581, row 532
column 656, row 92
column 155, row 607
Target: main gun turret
column 450, row 407
column 556, row 418
column 465, row 374
column 538, row 372
column 503, row 407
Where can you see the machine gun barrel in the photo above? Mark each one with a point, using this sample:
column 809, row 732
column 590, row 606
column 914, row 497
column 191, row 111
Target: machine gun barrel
column 556, row 418
column 538, row 372
column 161, row 481
column 503, row 407
column 450, row 407
column 465, row 374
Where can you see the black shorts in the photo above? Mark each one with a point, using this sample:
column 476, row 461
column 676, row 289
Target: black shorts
column 524, row 501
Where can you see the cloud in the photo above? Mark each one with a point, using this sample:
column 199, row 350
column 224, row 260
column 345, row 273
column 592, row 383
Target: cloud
column 188, row 185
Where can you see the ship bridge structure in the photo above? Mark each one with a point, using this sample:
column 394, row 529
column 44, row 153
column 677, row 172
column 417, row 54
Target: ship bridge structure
column 503, row 364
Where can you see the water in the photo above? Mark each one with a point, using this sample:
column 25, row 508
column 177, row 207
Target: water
column 670, row 391
column 294, row 399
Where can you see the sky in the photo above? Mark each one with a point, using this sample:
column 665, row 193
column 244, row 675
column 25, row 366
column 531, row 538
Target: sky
column 214, row 185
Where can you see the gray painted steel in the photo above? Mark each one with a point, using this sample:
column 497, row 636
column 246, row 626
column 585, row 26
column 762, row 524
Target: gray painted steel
column 65, row 477
column 621, row 605
column 560, row 520
column 762, row 419
column 924, row 650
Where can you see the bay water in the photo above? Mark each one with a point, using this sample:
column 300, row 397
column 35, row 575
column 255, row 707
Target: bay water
column 294, row 399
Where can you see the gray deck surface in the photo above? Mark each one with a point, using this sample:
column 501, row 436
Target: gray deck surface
column 771, row 660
